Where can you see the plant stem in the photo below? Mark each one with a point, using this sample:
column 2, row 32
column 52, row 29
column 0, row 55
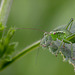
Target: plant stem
column 4, row 10
column 24, row 52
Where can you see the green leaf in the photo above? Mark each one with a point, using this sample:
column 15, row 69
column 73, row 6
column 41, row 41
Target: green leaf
column 7, row 48
column 11, row 48
column 1, row 30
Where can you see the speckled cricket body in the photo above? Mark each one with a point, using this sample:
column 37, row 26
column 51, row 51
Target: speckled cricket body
column 61, row 40
column 62, row 34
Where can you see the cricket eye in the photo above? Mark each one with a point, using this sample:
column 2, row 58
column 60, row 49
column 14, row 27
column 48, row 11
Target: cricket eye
column 54, row 33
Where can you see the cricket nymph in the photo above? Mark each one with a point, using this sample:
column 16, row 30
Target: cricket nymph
column 62, row 34
column 57, row 40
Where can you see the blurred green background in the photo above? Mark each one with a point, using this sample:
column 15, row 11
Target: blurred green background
column 45, row 15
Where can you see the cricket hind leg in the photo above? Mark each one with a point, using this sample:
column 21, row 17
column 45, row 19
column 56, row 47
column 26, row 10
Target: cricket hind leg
column 71, row 37
column 59, row 47
column 69, row 24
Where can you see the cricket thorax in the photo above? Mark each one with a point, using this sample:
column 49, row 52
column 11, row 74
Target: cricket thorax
column 58, row 35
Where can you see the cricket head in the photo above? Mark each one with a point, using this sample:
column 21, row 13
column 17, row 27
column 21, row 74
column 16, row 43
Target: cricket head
column 46, row 40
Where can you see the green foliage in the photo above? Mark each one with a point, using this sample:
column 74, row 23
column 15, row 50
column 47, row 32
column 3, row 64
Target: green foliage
column 6, row 47
column 1, row 30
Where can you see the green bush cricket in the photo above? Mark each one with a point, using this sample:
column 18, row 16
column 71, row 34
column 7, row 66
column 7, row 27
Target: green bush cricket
column 62, row 34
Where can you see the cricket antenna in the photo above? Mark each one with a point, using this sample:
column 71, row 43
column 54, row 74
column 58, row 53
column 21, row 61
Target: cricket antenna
column 32, row 29
column 27, row 28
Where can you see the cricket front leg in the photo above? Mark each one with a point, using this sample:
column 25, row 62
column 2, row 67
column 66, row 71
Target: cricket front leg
column 59, row 47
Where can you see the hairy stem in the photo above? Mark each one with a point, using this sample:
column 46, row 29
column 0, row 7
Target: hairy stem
column 4, row 10
column 24, row 52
